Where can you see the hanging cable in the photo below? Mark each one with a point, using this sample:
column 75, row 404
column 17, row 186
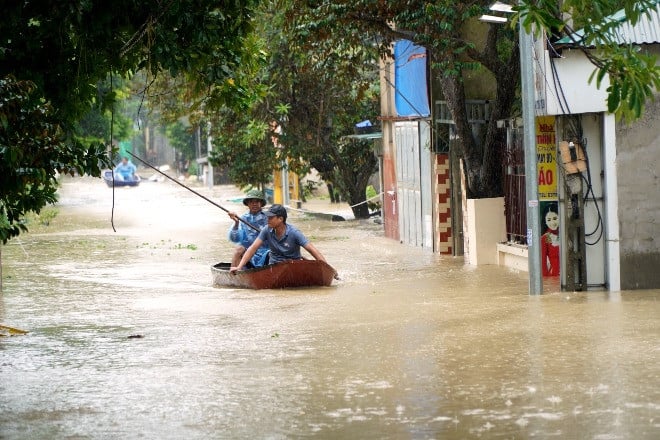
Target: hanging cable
column 112, row 124
column 590, row 189
column 551, row 88
column 555, row 80
column 555, row 77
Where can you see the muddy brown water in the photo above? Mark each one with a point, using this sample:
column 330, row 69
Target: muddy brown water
column 407, row 345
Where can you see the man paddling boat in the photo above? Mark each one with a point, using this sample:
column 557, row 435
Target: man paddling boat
column 283, row 240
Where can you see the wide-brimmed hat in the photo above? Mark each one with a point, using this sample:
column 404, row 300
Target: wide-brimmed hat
column 254, row 194
column 276, row 211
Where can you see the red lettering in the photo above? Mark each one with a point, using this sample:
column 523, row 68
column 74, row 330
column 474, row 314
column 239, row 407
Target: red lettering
column 546, row 177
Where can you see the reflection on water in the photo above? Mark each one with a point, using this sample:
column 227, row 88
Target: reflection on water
column 406, row 345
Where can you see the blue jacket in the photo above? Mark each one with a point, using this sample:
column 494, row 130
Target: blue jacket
column 245, row 235
column 125, row 170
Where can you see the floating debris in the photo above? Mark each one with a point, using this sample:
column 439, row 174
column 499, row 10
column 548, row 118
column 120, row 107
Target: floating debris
column 11, row 331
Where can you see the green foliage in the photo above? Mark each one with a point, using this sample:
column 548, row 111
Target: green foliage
column 447, row 29
column 633, row 74
column 44, row 218
column 191, row 247
column 308, row 92
column 107, row 110
column 181, row 139
column 47, row 215
column 57, row 61
column 33, row 150
column 326, row 80
column 374, row 204
column 457, row 45
column 244, row 146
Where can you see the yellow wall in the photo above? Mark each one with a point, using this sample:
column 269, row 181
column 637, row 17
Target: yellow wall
column 294, row 187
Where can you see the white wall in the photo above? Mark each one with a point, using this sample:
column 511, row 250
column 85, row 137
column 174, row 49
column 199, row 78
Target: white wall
column 570, row 82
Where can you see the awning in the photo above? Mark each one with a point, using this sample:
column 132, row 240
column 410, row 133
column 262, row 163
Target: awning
column 365, row 137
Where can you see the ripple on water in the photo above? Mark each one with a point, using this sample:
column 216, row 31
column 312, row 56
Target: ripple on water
column 407, row 345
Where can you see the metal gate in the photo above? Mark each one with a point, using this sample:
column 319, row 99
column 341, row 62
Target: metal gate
column 413, row 165
column 515, row 207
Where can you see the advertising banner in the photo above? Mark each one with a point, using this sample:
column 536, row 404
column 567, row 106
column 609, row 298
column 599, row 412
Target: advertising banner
column 546, row 158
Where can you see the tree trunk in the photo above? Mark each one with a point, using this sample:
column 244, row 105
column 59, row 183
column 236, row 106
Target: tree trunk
column 355, row 167
column 357, row 200
column 482, row 152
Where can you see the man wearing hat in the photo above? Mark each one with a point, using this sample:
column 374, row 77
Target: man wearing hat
column 283, row 240
column 243, row 235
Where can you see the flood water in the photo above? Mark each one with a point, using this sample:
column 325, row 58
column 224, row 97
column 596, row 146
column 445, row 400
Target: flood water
column 406, row 345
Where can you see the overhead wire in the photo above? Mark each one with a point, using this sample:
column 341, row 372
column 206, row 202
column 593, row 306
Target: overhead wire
column 112, row 125
column 559, row 94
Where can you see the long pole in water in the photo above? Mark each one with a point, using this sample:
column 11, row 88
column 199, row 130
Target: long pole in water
column 190, row 189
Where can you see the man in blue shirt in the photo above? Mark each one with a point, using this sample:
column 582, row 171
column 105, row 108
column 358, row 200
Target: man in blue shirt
column 243, row 235
column 125, row 170
column 283, row 240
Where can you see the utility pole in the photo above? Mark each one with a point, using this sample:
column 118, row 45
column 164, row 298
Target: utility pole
column 531, row 173
column 526, row 43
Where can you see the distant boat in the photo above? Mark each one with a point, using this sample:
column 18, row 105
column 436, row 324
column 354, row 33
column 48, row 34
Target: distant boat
column 286, row 274
column 107, row 177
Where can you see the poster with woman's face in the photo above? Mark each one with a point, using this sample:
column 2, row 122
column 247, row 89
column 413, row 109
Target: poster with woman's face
column 546, row 168
column 549, row 216
column 549, row 238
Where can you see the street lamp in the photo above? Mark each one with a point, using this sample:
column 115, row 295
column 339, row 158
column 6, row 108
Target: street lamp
column 529, row 144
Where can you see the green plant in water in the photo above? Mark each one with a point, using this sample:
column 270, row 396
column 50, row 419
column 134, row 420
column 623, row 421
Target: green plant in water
column 191, row 247
column 47, row 215
column 374, row 205
column 193, row 168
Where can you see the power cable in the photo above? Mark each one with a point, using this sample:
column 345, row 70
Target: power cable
column 112, row 125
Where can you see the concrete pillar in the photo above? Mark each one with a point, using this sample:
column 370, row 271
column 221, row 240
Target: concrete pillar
column 611, row 214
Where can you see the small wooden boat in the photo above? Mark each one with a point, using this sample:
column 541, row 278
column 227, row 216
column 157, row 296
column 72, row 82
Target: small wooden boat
column 107, row 178
column 286, row 274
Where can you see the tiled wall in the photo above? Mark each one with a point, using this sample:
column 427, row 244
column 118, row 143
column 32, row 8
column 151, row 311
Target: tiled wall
column 443, row 206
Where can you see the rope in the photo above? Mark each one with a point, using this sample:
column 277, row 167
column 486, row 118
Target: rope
column 377, row 196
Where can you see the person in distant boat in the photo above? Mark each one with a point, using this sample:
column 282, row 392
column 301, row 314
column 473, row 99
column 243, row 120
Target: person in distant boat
column 125, row 170
column 283, row 240
column 243, row 235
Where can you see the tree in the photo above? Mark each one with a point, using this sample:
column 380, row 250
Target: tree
column 230, row 108
column 458, row 49
column 57, row 54
column 181, row 139
column 328, row 86
column 306, row 95
column 455, row 50
column 107, row 120
column 33, row 149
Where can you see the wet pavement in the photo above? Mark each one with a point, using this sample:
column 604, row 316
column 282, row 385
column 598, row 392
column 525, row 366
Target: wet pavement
column 128, row 339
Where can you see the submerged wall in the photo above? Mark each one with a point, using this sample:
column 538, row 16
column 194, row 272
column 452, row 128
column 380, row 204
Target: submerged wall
column 638, row 168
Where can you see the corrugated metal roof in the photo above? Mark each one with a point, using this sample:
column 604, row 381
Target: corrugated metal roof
column 645, row 31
